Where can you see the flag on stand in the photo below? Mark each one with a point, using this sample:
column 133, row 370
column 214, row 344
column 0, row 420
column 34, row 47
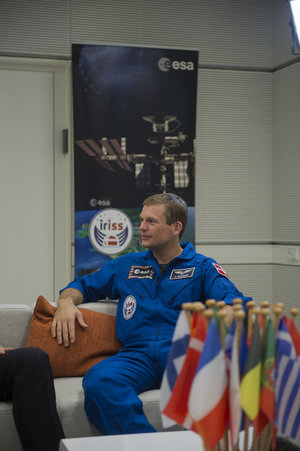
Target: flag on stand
column 295, row 335
column 243, row 346
column 287, row 385
column 235, row 349
column 177, row 406
column 208, row 401
column 266, row 413
column 174, row 363
column 250, row 385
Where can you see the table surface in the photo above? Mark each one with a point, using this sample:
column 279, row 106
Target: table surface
column 153, row 441
column 164, row 441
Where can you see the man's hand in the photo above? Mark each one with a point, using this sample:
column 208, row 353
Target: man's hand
column 3, row 349
column 63, row 324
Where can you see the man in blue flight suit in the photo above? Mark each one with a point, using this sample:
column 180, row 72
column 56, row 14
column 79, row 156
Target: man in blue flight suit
column 151, row 287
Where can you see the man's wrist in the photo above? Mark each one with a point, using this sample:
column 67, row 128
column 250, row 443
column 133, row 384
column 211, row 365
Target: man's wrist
column 63, row 301
column 70, row 296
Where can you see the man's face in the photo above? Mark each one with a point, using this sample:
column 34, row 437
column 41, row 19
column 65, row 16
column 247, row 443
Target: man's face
column 155, row 232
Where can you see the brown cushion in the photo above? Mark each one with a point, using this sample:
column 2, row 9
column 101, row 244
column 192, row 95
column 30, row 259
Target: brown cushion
column 92, row 344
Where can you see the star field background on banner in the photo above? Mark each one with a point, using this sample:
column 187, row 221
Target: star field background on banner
column 134, row 135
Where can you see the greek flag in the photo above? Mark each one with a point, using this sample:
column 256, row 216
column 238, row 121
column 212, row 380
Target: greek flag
column 287, row 385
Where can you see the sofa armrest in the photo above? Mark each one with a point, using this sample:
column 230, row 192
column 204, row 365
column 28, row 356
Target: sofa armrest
column 107, row 306
column 14, row 324
column 103, row 306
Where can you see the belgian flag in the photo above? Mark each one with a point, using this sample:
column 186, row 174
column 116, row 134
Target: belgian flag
column 250, row 385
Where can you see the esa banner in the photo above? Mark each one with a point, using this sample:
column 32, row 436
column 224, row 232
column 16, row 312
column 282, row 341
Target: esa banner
column 134, row 135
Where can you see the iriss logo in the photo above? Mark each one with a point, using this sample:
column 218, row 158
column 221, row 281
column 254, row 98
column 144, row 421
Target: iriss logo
column 110, row 231
column 165, row 64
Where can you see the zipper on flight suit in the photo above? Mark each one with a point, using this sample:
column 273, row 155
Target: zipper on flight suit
column 163, row 269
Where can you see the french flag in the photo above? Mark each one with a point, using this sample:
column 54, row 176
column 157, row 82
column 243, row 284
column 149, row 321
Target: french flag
column 208, row 401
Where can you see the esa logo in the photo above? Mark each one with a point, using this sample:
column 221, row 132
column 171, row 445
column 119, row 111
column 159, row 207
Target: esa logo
column 165, row 64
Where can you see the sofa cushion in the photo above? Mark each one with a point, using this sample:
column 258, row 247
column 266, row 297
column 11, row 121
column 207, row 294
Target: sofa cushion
column 93, row 344
column 9, row 437
column 70, row 406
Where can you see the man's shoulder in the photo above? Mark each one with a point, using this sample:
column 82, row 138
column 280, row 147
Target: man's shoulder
column 192, row 253
column 201, row 259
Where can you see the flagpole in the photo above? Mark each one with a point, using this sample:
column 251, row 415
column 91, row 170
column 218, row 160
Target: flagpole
column 239, row 315
column 187, row 306
column 264, row 304
column 209, row 314
column 265, row 312
column 256, row 312
column 277, row 312
column 264, row 438
column 200, row 308
column 250, row 306
column 220, row 305
column 211, row 303
column 237, row 308
column 221, row 315
column 294, row 312
column 280, row 305
column 237, row 301
column 259, row 311
column 237, row 305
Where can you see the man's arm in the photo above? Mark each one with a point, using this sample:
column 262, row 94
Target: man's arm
column 63, row 324
column 218, row 286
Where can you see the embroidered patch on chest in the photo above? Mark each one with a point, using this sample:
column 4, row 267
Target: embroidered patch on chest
column 185, row 273
column 129, row 307
column 220, row 270
column 141, row 272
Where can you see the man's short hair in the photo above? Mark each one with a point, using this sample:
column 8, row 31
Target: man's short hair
column 175, row 208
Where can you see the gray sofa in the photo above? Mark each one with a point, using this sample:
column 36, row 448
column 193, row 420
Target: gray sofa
column 14, row 328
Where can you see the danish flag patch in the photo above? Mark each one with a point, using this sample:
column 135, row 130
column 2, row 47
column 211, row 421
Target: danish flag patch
column 220, row 270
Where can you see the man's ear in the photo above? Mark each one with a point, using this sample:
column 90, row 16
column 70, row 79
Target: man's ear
column 177, row 227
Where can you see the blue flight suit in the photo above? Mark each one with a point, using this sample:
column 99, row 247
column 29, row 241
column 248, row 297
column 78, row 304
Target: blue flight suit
column 148, row 308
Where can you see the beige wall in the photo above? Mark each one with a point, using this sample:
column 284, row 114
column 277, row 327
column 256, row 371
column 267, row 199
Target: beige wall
column 247, row 184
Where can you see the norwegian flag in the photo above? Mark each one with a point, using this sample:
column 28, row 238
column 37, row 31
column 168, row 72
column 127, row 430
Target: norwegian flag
column 220, row 270
column 175, row 361
column 177, row 406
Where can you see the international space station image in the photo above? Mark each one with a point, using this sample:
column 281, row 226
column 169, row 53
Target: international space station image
column 166, row 163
